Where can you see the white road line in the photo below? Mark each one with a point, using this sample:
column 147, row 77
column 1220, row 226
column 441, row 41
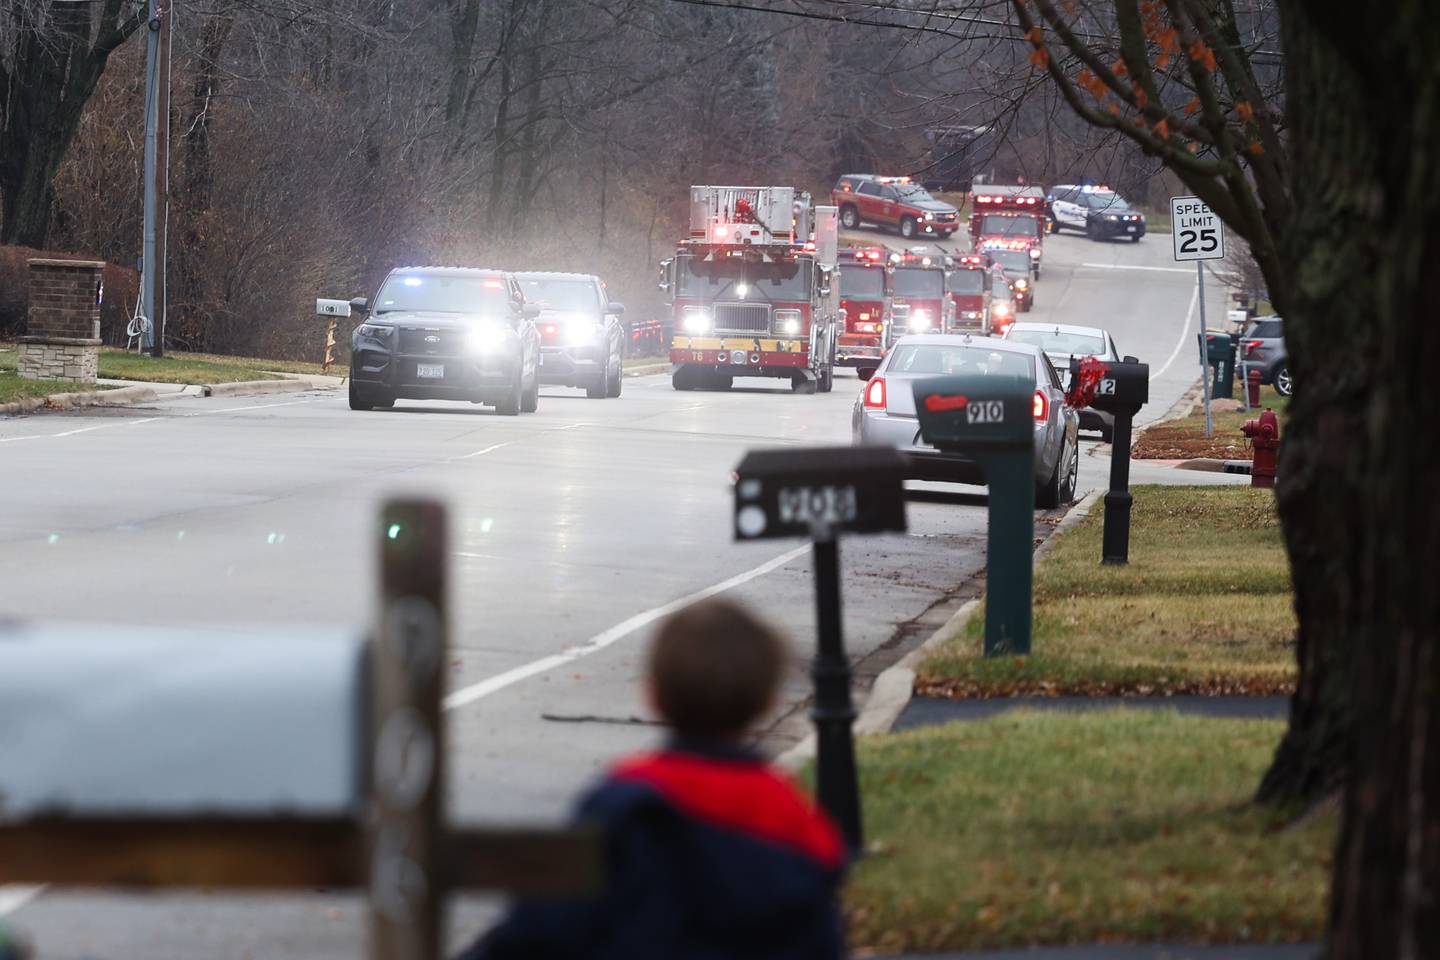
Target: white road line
column 621, row 630
column 1184, row 335
column 71, row 433
column 1128, row 266
column 480, row 453
column 258, row 406
column 14, row 897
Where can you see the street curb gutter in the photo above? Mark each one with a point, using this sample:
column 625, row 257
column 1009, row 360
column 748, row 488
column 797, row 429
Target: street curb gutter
column 87, row 398
column 249, row 388
column 649, row 369
column 893, row 689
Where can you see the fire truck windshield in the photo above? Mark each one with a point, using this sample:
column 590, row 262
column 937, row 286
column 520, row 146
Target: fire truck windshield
column 572, row 295
column 918, row 282
column 731, row 278
column 967, row 282
column 862, row 281
column 438, row 293
column 1001, row 225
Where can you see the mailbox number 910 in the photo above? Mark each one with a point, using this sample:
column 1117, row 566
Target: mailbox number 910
column 825, row 505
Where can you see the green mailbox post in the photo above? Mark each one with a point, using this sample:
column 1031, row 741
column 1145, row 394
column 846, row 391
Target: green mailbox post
column 989, row 419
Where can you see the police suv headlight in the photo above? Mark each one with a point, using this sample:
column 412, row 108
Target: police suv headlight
column 695, row 319
column 1111, row 216
column 486, row 339
column 787, row 321
column 375, row 331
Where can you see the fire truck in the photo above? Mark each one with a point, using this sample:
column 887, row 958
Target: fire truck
column 1009, row 214
column 969, row 286
column 751, row 290
column 865, row 300
column 920, row 301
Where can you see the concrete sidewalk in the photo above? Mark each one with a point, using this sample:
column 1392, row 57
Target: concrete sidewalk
column 1144, row 952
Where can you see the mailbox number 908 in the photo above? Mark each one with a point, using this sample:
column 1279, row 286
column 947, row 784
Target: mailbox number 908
column 827, row 505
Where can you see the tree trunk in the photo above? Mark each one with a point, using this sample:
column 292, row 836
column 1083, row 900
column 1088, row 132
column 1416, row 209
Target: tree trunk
column 42, row 98
column 1360, row 468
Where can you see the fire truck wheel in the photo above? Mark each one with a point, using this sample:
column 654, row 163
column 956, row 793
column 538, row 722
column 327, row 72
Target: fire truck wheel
column 907, row 228
column 865, row 373
column 804, row 384
column 827, row 380
column 849, row 217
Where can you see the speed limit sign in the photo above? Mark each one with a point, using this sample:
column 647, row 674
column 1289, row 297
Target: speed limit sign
column 1198, row 234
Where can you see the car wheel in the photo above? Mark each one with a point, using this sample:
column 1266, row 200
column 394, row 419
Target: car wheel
column 358, row 401
column 849, row 217
column 1054, row 225
column 1047, row 494
column 1072, row 476
column 531, row 401
column 865, row 373
column 510, row 406
column 1283, row 384
column 1092, row 231
column 907, row 228
column 617, row 378
column 1135, row 238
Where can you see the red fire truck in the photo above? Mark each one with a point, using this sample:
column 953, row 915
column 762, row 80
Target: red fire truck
column 920, row 301
column 969, row 286
column 1011, row 214
column 752, row 292
column 865, row 299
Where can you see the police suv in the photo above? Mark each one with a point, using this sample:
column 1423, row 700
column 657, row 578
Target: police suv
column 1099, row 211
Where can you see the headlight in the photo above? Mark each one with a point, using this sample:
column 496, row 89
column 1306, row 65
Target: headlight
column 487, row 338
column 1034, row 253
column 1111, row 216
column 695, row 319
column 971, row 315
column 1000, row 309
column 919, row 321
column 581, row 334
column 787, row 321
column 378, row 331
column 1022, row 284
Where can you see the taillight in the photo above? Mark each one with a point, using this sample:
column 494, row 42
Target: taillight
column 875, row 393
column 1253, row 345
column 1040, row 406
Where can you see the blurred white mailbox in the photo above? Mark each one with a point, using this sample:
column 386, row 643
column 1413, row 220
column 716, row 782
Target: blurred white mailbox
column 100, row 720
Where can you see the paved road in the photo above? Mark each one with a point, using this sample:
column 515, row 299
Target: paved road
column 573, row 530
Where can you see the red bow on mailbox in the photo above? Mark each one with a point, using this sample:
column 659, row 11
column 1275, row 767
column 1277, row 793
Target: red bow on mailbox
column 1082, row 391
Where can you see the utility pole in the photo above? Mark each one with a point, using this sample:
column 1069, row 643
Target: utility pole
column 157, row 186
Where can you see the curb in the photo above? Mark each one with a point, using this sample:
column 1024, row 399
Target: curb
column 84, row 398
column 258, row 387
column 647, row 370
column 893, row 689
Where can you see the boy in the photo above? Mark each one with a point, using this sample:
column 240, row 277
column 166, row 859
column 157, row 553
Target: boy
column 709, row 854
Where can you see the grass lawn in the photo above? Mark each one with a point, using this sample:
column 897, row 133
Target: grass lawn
column 1156, row 220
column 13, row 388
column 1185, row 439
column 1115, row 826
column 1204, row 606
column 178, row 367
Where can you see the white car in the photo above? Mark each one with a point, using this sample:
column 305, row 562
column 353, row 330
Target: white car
column 1061, row 341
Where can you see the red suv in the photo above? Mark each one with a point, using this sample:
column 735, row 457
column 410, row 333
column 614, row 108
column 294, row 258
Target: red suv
column 893, row 202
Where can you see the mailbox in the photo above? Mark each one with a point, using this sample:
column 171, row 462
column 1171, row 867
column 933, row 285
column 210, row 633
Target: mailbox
column 332, row 308
column 1122, row 390
column 99, row 720
column 990, row 419
column 969, row 414
column 819, row 491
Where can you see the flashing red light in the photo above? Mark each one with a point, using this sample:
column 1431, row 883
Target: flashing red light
column 720, row 230
column 875, row 393
column 985, row 199
column 549, row 329
column 1002, row 326
column 1040, row 406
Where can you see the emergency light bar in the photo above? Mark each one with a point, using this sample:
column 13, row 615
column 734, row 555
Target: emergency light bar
column 1021, row 201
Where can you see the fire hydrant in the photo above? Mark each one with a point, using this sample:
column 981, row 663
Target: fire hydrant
column 1252, row 383
column 1264, row 435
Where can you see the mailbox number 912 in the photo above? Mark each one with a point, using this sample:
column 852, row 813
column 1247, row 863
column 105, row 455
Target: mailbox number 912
column 825, row 505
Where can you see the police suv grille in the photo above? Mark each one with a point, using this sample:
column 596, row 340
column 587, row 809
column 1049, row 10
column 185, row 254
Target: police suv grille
column 748, row 317
column 436, row 342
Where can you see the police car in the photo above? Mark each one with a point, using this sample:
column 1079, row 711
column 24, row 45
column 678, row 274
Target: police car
column 1099, row 211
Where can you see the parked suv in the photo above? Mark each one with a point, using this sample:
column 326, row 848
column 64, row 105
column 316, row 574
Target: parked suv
column 893, row 202
column 446, row 333
column 1101, row 212
column 1264, row 346
column 582, row 342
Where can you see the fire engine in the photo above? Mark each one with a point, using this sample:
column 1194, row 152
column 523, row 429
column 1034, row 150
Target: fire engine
column 865, row 300
column 969, row 286
column 920, row 301
column 1009, row 214
column 752, row 292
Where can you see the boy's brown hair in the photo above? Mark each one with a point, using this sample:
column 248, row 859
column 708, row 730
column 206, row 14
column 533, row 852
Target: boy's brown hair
column 715, row 668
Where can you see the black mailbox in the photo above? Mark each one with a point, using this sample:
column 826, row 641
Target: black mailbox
column 822, row 491
column 962, row 413
column 1123, row 388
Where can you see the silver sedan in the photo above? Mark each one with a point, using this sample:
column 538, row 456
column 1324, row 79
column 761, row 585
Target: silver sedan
column 885, row 410
column 1061, row 341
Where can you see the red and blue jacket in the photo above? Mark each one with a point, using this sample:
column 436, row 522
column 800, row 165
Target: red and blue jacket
column 709, row 854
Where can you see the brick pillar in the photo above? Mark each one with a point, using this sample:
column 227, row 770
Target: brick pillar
column 62, row 339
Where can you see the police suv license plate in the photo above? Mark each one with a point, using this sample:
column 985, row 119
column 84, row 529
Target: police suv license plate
column 430, row 371
column 1130, row 229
